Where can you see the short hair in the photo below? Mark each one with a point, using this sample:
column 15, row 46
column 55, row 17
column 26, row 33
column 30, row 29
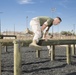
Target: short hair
column 59, row 18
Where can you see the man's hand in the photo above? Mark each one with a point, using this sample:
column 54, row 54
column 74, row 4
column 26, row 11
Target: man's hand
column 45, row 38
column 51, row 36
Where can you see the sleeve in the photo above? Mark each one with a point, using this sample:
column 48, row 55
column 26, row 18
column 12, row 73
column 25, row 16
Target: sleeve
column 49, row 22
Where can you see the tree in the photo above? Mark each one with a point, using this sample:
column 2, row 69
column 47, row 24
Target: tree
column 67, row 33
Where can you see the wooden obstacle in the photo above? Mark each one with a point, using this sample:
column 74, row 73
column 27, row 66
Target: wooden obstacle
column 2, row 36
column 52, row 43
column 17, row 58
column 0, row 57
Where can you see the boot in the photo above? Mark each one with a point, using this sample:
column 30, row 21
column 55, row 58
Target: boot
column 34, row 45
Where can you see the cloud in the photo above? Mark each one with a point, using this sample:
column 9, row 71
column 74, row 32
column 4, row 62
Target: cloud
column 64, row 3
column 26, row 2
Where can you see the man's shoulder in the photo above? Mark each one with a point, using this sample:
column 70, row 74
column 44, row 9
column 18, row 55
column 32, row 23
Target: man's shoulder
column 45, row 17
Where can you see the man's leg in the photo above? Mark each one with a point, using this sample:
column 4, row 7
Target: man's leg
column 37, row 34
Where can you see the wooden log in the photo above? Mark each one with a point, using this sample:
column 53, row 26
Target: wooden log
column 17, row 58
column 68, row 54
column 5, row 48
column 43, row 43
column 1, row 36
column 49, row 48
column 73, row 49
column 52, row 52
column 38, row 53
column 0, row 57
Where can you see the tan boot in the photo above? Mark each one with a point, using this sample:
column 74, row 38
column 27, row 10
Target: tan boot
column 34, row 45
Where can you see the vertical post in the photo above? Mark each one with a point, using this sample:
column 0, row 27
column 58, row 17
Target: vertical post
column 49, row 48
column 73, row 49
column 0, row 23
column 5, row 48
column 26, row 21
column 53, row 10
column 14, row 29
column 38, row 53
column 0, row 57
column 74, row 29
column 0, row 26
column 17, row 58
column 68, row 54
column 52, row 52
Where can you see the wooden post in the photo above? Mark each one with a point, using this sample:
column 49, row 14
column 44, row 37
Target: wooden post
column 49, row 48
column 5, row 48
column 17, row 58
column 68, row 54
column 52, row 52
column 0, row 57
column 38, row 53
column 73, row 49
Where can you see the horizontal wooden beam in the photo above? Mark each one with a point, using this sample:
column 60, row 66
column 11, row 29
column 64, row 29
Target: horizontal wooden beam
column 2, row 36
column 42, row 42
column 50, row 42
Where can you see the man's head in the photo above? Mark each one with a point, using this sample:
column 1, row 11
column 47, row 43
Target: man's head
column 57, row 20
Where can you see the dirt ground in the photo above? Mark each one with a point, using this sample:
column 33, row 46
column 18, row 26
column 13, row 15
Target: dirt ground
column 39, row 66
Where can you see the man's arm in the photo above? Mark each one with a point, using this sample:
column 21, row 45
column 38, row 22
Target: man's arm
column 43, row 27
column 46, row 32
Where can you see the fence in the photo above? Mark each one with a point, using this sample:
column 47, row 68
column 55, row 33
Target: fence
column 51, row 44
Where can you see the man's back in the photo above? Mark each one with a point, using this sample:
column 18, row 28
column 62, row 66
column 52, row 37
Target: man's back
column 43, row 19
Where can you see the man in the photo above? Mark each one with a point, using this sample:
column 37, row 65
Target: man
column 41, row 25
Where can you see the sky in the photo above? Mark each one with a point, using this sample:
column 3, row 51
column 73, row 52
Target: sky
column 13, row 13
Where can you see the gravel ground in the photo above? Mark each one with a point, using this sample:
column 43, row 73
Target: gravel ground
column 39, row 66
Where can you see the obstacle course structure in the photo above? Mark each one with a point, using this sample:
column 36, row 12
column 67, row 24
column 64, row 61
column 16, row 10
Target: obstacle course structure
column 51, row 43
